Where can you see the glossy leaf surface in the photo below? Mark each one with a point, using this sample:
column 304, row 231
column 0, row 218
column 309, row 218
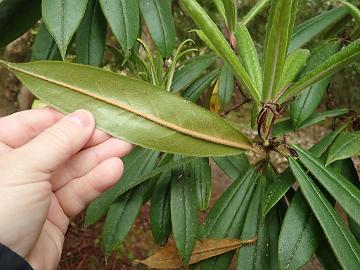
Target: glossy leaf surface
column 226, row 218
column 91, row 36
column 342, row 241
column 62, row 18
column 278, row 33
column 345, row 193
column 345, row 146
column 160, row 219
column 44, row 47
column 307, row 102
column 197, row 88
column 139, row 162
column 212, row 32
column 183, row 213
column 226, row 85
column 200, row 172
column 16, row 17
column 338, row 61
column 158, row 17
column 306, row 31
column 150, row 114
column 300, row 235
column 124, row 19
column 189, row 72
column 122, row 215
column 249, row 55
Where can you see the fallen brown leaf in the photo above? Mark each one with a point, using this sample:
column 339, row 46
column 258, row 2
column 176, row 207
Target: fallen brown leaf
column 168, row 258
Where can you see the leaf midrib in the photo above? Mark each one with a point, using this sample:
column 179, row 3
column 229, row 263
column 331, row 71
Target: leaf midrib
column 128, row 108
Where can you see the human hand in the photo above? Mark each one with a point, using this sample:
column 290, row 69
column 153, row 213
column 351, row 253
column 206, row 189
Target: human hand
column 51, row 167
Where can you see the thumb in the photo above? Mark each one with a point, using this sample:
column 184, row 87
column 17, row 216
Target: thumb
column 61, row 141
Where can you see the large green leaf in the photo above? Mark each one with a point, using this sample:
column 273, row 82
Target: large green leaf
column 226, row 218
column 122, row 215
column 124, row 19
column 212, row 32
column 230, row 7
column 132, row 110
column 160, row 219
column 44, row 47
column 16, row 17
column 306, row 31
column 342, row 241
column 139, row 162
column 329, row 67
column 62, row 18
column 345, row 193
column 183, row 212
column 158, row 17
column 188, row 73
column 249, row 55
column 234, row 166
column 197, row 88
column 226, row 85
column 295, row 62
column 345, row 146
column 278, row 33
column 91, row 36
column 307, row 102
column 200, row 173
column 300, row 235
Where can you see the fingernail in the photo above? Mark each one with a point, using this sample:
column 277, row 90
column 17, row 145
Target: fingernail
column 81, row 118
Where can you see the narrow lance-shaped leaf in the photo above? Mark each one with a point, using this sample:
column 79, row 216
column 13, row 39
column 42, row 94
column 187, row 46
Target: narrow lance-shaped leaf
column 160, row 219
column 353, row 10
column 158, row 17
column 16, row 17
column 213, row 33
column 294, row 64
column 313, row 27
column 44, row 47
column 345, row 146
column 230, row 7
column 249, row 55
column 300, row 235
column 226, row 218
column 345, row 193
column 154, row 116
column 255, row 10
column 62, row 18
column 124, row 19
column 183, row 213
column 226, row 85
column 196, row 89
column 192, row 70
column 278, row 33
column 342, row 241
column 91, row 36
column 122, row 215
column 307, row 102
column 200, row 171
column 220, row 7
column 329, row 67
column 139, row 162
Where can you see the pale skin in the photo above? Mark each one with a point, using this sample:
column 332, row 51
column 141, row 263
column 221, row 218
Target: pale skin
column 51, row 167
